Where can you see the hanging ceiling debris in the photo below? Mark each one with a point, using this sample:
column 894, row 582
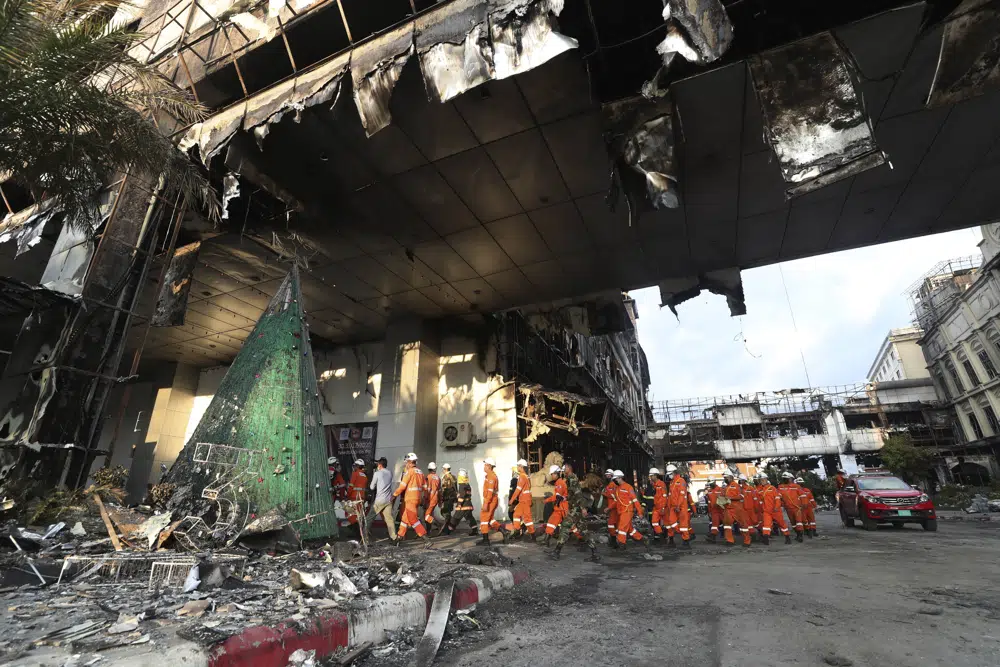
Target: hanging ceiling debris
column 459, row 46
column 641, row 143
column 25, row 227
column 171, row 302
column 726, row 282
column 814, row 119
column 969, row 62
column 18, row 298
column 698, row 30
column 546, row 409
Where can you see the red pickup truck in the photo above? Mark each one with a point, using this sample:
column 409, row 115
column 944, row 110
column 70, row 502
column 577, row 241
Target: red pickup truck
column 881, row 498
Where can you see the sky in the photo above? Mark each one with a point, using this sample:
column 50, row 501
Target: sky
column 843, row 305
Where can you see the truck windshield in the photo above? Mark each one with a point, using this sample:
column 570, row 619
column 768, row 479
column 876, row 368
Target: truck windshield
column 883, row 484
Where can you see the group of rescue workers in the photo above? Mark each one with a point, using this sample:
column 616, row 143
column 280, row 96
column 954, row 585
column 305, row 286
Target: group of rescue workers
column 739, row 506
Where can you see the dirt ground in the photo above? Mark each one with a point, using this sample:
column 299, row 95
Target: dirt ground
column 895, row 597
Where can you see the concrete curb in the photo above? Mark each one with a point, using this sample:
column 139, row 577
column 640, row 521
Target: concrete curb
column 265, row 646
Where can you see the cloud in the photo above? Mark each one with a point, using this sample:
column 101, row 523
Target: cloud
column 843, row 305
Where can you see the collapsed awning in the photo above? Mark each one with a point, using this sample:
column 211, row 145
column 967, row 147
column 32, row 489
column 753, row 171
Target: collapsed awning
column 17, row 298
column 546, row 409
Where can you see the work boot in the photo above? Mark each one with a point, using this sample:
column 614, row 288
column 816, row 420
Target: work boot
column 555, row 554
column 623, row 546
column 746, row 546
column 505, row 534
column 670, row 542
column 594, row 557
column 533, row 537
column 788, row 539
column 798, row 537
column 765, row 540
column 815, row 534
column 394, row 542
column 809, row 534
column 548, row 538
column 473, row 532
column 426, row 540
column 686, row 544
column 611, row 541
column 485, row 541
column 712, row 538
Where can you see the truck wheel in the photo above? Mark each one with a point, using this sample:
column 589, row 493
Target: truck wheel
column 848, row 521
column 868, row 523
column 930, row 525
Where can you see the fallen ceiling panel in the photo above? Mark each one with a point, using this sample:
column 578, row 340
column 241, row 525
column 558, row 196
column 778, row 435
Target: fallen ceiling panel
column 698, row 30
column 970, row 53
column 814, row 118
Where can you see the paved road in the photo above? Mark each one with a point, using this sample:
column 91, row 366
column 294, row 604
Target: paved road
column 890, row 598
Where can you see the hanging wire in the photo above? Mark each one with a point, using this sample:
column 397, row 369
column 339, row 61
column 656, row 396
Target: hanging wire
column 741, row 337
column 795, row 328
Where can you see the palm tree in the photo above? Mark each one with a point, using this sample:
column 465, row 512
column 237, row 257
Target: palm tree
column 76, row 108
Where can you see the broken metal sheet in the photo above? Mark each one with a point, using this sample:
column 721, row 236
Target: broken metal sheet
column 705, row 30
column 641, row 143
column 560, row 396
column 454, row 49
column 524, row 35
column 254, row 27
column 310, row 88
column 230, row 191
column 969, row 61
column 213, row 133
column 814, row 118
column 25, row 227
column 375, row 69
column 725, row 282
column 171, row 302
column 18, row 298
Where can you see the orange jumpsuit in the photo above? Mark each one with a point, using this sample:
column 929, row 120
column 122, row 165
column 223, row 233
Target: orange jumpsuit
column 413, row 487
column 339, row 487
column 357, row 491
column 809, row 506
column 714, row 511
column 771, row 499
column 733, row 513
column 609, row 494
column 433, row 496
column 791, row 498
column 628, row 504
column 561, row 509
column 491, row 487
column 522, row 510
column 750, row 507
column 659, row 506
column 680, row 511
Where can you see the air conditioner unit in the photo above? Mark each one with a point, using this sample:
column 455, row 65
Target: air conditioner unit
column 458, row 434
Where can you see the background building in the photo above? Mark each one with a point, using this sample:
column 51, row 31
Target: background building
column 957, row 304
column 899, row 357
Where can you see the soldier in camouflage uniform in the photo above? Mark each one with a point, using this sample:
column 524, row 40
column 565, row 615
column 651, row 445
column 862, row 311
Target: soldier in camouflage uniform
column 449, row 493
column 573, row 522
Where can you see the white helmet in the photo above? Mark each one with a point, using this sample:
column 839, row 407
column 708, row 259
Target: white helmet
column 432, row 466
column 359, row 462
column 447, row 466
column 554, row 469
column 655, row 471
column 609, row 473
column 787, row 475
column 489, row 461
column 799, row 480
column 522, row 462
column 332, row 461
column 841, row 470
column 711, row 480
column 671, row 468
column 463, row 472
column 727, row 473
column 762, row 475
column 411, row 457
column 618, row 474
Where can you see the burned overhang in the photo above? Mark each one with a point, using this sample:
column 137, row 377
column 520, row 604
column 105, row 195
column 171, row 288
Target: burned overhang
column 25, row 227
column 459, row 46
column 641, row 143
column 814, row 119
column 171, row 302
column 969, row 61
column 726, row 282
column 19, row 299
column 546, row 409
column 698, row 30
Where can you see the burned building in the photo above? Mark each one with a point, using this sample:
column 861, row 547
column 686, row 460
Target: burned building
column 447, row 171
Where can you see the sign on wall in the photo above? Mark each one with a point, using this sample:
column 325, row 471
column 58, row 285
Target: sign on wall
column 349, row 442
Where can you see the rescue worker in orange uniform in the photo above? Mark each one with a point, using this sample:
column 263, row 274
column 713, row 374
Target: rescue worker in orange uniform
column 336, row 479
column 491, row 500
column 356, row 492
column 520, row 500
column 433, row 493
column 559, row 501
column 771, row 499
column 714, row 511
column 678, row 503
column 628, row 505
column 733, row 512
column 809, row 506
column 412, row 489
column 839, row 480
column 610, row 489
column 791, row 499
column 749, row 506
column 660, row 512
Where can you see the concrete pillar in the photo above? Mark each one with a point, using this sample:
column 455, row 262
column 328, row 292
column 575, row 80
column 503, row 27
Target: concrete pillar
column 407, row 406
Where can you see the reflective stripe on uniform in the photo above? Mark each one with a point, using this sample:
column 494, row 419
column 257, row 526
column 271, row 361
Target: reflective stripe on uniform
column 684, row 530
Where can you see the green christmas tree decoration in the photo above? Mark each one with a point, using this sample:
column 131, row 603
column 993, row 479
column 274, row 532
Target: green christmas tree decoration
column 260, row 444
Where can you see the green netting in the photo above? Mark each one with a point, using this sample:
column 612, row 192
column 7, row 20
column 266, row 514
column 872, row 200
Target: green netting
column 267, row 403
